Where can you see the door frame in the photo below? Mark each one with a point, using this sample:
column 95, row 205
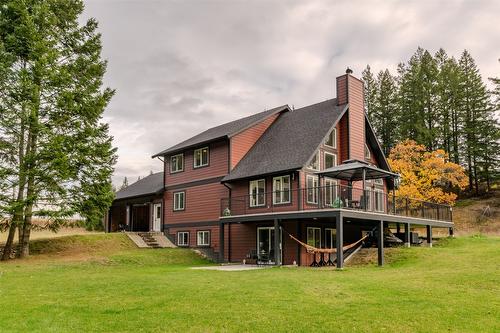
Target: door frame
column 155, row 219
column 270, row 262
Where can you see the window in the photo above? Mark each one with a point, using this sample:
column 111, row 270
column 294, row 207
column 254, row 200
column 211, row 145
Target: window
column 330, row 238
column 257, row 193
column 176, row 163
column 331, row 140
column 158, row 211
column 314, row 237
column 331, row 193
column 281, row 190
column 368, row 194
column 367, row 152
column 330, row 160
column 200, row 157
column 314, row 162
column 312, row 189
column 183, row 238
column 379, row 200
column 179, row 200
column 203, row 238
column 379, row 181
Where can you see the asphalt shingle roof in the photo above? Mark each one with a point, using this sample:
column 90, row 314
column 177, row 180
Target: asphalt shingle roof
column 147, row 185
column 290, row 142
column 221, row 131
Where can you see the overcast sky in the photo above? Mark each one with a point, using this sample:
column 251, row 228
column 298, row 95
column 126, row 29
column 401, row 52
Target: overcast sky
column 180, row 67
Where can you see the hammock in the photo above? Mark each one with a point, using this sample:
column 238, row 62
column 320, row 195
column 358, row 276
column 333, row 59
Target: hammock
column 314, row 250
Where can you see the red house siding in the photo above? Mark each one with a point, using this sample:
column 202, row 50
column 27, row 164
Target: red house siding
column 242, row 142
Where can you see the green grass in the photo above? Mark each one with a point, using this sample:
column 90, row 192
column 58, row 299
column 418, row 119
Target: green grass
column 452, row 287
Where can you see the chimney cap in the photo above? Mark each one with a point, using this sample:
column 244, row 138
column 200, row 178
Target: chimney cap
column 348, row 71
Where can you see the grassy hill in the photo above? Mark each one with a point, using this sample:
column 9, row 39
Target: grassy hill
column 102, row 283
column 478, row 215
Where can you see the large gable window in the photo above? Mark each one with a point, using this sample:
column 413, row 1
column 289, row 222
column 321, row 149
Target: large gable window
column 367, row 152
column 257, row 193
column 331, row 140
column 314, row 164
column 281, row 190
column 200, row 157
column 177, row 163
column 330, row 160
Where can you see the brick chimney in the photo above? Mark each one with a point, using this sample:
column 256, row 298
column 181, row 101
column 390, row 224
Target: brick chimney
column 352, row 125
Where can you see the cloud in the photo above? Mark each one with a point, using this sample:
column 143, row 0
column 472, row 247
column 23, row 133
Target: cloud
column 180, row 67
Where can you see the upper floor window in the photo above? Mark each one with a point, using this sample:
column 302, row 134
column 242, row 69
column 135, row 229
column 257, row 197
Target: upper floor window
column 379, row 200
column 312, row 189
column 281, row 190
column 331, row 193
column 200, row 157
column 330, row 160
column 367, row 152
column 177, row 163
column 257, row 193
column 179, row 200
column 314, row 164
column 379, row 181
column 331, row 140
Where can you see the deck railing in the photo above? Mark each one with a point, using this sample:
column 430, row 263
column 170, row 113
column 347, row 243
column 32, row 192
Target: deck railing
column 334, row 196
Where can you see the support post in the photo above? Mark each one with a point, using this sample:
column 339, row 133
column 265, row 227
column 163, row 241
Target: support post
column 450, row 230
column 299, row 247
column 364, row 190
column 340, row 240
column 398, row 228
column 380, row 243
column 394, row 195
column 221, row 242
column 407, row 235
column 429, row 235
column 277, row 243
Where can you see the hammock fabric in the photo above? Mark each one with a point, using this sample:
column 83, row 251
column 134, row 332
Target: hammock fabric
column 314, row 250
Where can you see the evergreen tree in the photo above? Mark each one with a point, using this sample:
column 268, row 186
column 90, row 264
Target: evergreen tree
column 58, row 155
column 370, row 92
column 385, row 112
column 124, row 184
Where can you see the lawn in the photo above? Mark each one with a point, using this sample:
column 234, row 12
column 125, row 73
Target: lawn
column 452, row 287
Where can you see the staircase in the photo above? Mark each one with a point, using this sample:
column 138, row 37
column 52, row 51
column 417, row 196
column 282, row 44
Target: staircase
column 153, row 240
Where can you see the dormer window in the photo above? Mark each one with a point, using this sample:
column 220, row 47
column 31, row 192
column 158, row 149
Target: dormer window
column 331, row 140
column 200, row 157
column 314, row 164
column 176, row 163
column 367, row 152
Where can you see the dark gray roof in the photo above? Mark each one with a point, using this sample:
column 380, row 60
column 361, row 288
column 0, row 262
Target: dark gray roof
column 290, row 142
column 222, row 131
column 352, row 170
column 148, row 185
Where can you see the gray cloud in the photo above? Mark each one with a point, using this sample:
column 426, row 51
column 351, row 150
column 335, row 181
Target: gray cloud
column 182, row 66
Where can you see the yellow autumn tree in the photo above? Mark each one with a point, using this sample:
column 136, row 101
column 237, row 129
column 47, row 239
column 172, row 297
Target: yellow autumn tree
column 427, row 176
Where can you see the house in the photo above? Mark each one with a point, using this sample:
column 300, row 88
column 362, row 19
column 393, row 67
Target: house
column 257, row 187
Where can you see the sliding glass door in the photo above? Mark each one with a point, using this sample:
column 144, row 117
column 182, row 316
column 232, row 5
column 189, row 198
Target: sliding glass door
column 265, row 245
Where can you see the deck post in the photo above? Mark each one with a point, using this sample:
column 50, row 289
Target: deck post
column 221, row 242
column 380, row 243
column 277, row 243
column 407, row 235
column 394, row 195
column 450, row 231
column 364, row 189
column 339, row 221
column 429, row 235
column 398, row 228
column 299, row 247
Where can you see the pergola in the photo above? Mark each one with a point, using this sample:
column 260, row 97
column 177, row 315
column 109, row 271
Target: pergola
column 355, row 170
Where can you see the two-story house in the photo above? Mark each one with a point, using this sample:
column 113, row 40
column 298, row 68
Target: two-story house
column 256, row 187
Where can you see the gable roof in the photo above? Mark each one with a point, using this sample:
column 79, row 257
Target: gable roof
column 223, row 131
column 151, row 184
column 290, row 141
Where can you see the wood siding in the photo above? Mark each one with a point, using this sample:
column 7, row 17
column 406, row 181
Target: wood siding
column 242, row 142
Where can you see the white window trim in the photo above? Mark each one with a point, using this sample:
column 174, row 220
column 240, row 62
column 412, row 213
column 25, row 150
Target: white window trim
column 334, row 159
column 368, row 200
column 179, row 243
column 368, row 154
column 282, row 191
column 200, row 232
column 335, row 189
column 201, row 160
column 334, row 138
column 318, row 160
column 257, row 195
column 307, row 235
column 171, row 164
column 176, row 194
column 314, row 189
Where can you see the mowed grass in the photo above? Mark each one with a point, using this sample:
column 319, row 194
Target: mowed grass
column 110, row 286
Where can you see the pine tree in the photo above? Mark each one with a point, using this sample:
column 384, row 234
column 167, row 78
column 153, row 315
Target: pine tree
column 370, row 92
column 59, row 155
column 385, row 113
column 124, row 184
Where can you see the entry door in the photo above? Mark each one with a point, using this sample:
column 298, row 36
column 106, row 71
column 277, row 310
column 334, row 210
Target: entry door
column 265, row 245
column 157, row 217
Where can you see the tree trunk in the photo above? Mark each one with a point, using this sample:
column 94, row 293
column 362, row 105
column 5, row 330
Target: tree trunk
column 7, row 249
